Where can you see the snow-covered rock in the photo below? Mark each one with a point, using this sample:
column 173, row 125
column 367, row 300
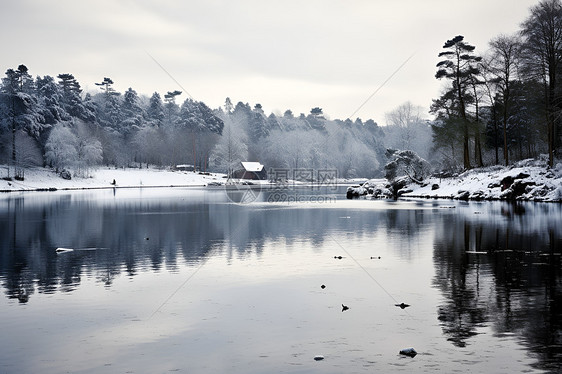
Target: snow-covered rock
column 375, row 188
column 528, row 180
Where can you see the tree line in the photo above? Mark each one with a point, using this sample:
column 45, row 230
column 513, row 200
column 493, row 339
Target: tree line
column 51, row 122
column 495, row 108
column 506, row 104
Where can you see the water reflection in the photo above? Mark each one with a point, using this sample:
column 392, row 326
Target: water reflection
column 496, row 266
column 502, row 269
column 138, row 231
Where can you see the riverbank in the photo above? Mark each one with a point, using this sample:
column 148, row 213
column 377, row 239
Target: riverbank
column 45, row 179
column 528, row 180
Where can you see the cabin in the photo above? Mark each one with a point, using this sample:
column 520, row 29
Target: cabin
column 185, row 167
column 250, row 170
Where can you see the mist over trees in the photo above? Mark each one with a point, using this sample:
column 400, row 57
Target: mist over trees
column 51, row 122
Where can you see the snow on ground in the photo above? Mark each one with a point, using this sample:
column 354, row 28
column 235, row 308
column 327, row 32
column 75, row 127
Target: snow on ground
column 530, row 180
column 44, row 178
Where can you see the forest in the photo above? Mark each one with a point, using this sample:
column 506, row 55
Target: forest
column 495, row 108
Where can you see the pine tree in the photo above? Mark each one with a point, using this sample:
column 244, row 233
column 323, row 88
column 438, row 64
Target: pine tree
column 71, row 99
column 459, row 66
column 20, row 100
column 155, row 111
column 131, row 112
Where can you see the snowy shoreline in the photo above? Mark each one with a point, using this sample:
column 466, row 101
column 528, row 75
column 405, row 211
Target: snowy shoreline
column 45, row 179
column 527, row 180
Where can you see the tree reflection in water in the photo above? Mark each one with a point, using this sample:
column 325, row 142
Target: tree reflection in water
column 498, row 270
column 503, row 271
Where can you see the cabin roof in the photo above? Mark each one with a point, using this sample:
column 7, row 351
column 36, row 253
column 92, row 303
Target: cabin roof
column 252, row 166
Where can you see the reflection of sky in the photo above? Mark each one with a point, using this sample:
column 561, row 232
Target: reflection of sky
column 251, row 301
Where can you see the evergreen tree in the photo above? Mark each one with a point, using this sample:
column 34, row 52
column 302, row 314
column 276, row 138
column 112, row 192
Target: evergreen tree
column 257, row 125
column 50, row 99
column 131, row 112
column 109, row 113
column 459, row 66
column 19, row 100
column 155, row 111
column 228, row 107
column 89, row 105
column 171, row 108
column 71, row 97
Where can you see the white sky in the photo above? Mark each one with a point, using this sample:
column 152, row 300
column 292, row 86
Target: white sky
column 284, row 54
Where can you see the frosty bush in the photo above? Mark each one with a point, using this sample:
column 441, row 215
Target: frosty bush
column 61, row 148
column 90, row 154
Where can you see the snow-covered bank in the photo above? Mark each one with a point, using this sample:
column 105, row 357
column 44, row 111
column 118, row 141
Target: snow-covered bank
column 38, row 179
column 526, row 180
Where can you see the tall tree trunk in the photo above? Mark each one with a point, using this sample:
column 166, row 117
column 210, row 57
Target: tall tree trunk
column 466, row 154
column 477, row 144
column 478, row 148
column 496, row 145
column 551, row 111
column 504, row 122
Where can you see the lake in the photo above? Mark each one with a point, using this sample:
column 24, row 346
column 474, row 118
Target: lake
column 190, row 281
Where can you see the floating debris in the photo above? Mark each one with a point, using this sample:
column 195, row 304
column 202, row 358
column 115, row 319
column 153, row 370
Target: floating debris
column 63, row 250
column 318, row 358
column 411, row 352
column 338, row 257
column 402, row 305
column 344, row 308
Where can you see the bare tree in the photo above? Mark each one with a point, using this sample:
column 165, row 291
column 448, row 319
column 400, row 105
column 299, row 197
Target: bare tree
column 407, row 129
column 542, row 34
column 502, row 66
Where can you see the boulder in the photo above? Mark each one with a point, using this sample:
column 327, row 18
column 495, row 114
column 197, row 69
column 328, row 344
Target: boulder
column 462, row 195
column 506, row 182
column 65, row 174
column 411, row 352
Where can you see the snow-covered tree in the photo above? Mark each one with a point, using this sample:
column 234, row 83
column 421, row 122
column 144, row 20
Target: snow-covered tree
column 89, row 154
column 155, row 110
column 171, row 108
column 61, row 148
column 50, row 101
column 131, row 112
column 406, row 163
column 231, row 148
column 71, row 97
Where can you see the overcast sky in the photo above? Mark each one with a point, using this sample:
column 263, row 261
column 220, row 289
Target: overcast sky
column 284, row 54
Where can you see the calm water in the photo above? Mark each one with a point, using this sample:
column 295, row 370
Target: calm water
column 184, row 280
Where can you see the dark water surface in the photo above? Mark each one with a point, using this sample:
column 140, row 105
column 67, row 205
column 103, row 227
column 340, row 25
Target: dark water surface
column 184, row 280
